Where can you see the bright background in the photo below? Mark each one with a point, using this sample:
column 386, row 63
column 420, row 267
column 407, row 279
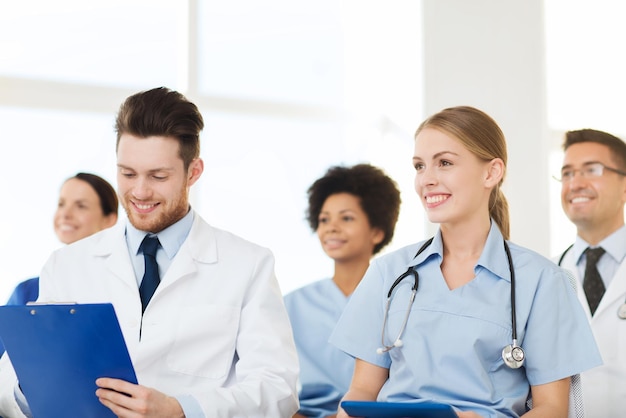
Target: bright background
column 287, row 88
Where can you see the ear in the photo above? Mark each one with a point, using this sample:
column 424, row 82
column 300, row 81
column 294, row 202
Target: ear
column 378, row 235
column 110, row 220
column 494, row 173
column 196, row 167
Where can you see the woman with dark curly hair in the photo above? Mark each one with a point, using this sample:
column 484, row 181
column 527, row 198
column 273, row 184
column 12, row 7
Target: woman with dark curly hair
column 354, row 212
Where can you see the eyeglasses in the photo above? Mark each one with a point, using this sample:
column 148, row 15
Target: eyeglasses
column 588, row 171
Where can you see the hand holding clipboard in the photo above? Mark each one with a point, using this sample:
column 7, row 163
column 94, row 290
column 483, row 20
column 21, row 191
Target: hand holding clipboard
column 59, row 350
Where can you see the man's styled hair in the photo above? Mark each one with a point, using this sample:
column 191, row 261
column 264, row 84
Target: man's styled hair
column 616, row 145
column 162, row 112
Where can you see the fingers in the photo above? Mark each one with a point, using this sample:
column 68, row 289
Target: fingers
column 121, row 397
column 128, row 400
column 117, row 385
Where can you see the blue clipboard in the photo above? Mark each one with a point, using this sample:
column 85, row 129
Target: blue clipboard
column 58, row 352
column 422, row 409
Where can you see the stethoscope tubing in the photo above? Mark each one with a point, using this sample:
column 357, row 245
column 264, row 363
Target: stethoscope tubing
column 512, row 354
column 513, row 309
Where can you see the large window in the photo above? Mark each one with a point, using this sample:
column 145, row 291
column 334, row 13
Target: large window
column 287, row 88
column 132, row 44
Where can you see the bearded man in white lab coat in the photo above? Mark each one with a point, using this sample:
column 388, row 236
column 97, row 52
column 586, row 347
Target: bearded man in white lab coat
column 214, row 340
column 593, row 194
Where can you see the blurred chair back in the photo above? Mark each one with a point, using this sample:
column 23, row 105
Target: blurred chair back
column 576, row 409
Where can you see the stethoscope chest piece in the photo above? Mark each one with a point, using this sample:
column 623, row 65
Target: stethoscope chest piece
column 621, row 311
column 513, row 356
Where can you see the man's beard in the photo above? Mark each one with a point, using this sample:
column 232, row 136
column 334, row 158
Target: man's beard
column 169, row 215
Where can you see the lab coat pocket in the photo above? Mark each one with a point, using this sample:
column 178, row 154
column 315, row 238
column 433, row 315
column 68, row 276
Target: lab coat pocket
column 205, row 341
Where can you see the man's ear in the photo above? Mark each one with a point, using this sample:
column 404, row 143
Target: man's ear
column 196, row 167
column 624, row 191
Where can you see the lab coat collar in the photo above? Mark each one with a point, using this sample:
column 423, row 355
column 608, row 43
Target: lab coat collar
column 200, row 246
column 112, row 246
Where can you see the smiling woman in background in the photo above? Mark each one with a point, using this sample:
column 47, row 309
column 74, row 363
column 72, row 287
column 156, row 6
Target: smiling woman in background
column 354, row 211
column 87, row 204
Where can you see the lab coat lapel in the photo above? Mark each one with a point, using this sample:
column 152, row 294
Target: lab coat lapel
column 114, row 250
column 199, row 248
column 616, row 290
column 569, row 263
column 182, row 265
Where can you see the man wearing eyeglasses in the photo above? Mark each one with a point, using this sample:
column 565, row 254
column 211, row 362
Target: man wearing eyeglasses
column 593, row 194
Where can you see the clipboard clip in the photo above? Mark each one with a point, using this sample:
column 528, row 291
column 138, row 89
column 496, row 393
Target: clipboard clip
column 50, row 303
column 35, row 304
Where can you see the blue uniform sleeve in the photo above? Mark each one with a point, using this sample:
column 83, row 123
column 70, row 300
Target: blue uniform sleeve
column 358, row 332
column 325, row 371
column 26, row 291
column 558, row 339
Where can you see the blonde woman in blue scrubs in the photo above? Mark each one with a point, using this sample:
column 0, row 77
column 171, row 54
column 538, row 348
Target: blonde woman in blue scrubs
column 459, row 331
column 354, row 211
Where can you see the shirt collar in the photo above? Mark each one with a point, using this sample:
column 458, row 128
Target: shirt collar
column 493, row 257
column 614, row 245
column 171, row 238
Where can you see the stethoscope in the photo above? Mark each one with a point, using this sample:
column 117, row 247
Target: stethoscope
column 513, row 355
column 621, row 311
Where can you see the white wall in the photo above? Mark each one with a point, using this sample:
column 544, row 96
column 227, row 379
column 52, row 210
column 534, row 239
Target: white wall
column 490, row 54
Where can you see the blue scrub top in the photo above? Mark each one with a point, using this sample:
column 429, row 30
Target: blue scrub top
column 453, row 341
column 325, row 371
column 26, row 291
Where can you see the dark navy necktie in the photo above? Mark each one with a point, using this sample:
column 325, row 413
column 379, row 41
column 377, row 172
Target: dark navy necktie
column 151, row 280
column 592, row 283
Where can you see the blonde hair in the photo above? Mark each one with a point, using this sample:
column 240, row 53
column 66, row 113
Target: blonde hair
column 482, row 136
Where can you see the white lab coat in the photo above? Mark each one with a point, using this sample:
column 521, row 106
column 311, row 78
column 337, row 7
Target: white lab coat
column 216, row 327
column 604, row 387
